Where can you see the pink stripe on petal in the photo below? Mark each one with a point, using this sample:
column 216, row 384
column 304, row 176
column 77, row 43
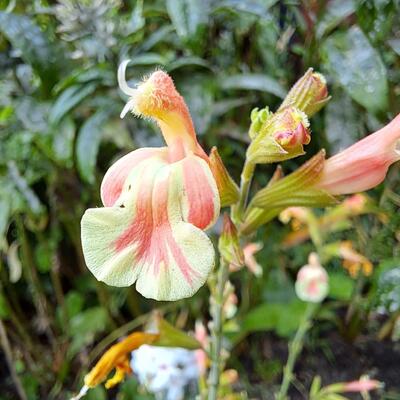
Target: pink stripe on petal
column 151, row 230
column 116, row 175
column 201, row 192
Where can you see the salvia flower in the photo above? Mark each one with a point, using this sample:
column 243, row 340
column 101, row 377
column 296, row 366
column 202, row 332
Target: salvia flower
column 312, row 281
column 309, row 94
column 157, row 203
column 364, row 164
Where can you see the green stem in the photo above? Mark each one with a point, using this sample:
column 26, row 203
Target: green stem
column 5, row 344
column 245, row 182
column 295, row 348
column 217, row 330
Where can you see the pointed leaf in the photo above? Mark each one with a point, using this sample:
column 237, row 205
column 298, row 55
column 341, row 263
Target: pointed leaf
column 358, row 67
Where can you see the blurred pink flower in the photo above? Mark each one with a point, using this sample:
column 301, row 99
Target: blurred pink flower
column 363, row 385
column 249, row 260
column 364, row 164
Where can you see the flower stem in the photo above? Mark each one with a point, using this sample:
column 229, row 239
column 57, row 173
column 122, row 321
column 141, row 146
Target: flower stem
column 217, row 330
column 245, row 182
column 295, row 348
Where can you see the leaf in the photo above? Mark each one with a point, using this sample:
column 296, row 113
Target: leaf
column 63, row 142
column 69, row 99
column 88, row 143
column 84, row 326
column 256, row 7
column 188, row 16
column 148, row 59
column 254, row 82
column 34, row 204
column 358, row 67
column 342, row 122
column 4, row 309
column 187, row 62
column 336, row 11
column 5, row 213
column 284, row 318
column 395, row 45
column 340, row 286
column 160, row 35
column 33, row 46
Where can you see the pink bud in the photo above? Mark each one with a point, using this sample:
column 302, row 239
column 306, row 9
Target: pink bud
column 364, row 164
column 363, row 385
column 312, row 281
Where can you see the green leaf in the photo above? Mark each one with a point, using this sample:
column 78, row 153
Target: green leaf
column 342, row 122
column 188, row 16
column 340, row 286
column 187, row 62
column 33, row 45
column 284, row 318
column 148, row 59
column 69, row 99
column 74, row 302
column 5, row 213
column 88, row 143
column 254, row 82
column 358, row 67
column 336, row 11
column 259, row 8
column 4, row 310
column 63, row 142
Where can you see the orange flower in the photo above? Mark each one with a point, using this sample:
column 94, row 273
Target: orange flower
column 354, row 262
column 116, row 357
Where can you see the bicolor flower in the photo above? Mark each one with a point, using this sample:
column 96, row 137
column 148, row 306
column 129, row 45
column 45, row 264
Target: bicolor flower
column 364, row 164
column 312, row 281
column 157, row 203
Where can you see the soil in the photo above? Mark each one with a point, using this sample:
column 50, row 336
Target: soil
column 339, row 361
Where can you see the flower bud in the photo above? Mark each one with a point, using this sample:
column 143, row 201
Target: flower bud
column 309, row 94
column 312, row 281
column 281, row 137
column 229, row 246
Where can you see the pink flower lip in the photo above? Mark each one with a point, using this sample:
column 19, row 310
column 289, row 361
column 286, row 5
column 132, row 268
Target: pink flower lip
column 363, row 165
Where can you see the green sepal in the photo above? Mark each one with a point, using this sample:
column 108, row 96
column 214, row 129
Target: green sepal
column 229, row 245
column 227, row 188
column 169, row 336
column 264, row 149
column 296, row 189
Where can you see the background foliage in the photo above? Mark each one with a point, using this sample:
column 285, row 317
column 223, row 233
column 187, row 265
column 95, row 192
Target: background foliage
column 60, row 130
